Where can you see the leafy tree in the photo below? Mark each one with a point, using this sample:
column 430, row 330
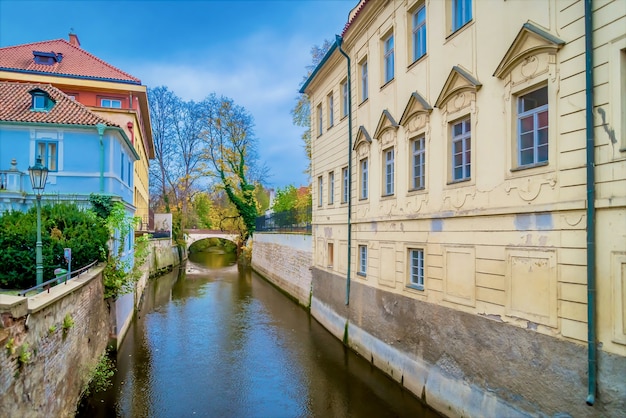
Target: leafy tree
column 301, row 113
column 285, row 199
column 230, row 150
column 202, row 210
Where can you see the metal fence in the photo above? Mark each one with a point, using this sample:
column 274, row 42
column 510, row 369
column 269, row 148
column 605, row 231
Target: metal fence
column 295, row 220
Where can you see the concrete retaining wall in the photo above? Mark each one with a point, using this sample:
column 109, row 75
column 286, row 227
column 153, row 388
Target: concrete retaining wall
column 463, row 364
column 285, row 260
column 50, row 384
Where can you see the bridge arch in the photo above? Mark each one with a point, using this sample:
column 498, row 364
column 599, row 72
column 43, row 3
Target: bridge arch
column 194, row 235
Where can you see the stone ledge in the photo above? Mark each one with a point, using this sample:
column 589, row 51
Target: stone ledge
column 17, row 306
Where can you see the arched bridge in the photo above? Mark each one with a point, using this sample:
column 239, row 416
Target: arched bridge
column 193, row 235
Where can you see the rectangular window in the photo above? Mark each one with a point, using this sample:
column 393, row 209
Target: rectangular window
column 389, row 61
column 112, row 103
column 331, row 187
column 47, row 151
column 364, row 174
column 364, row 89
column 331, row 111
column 362, row 260
column 416, row 268
column 130, row 176
column 461, row 13
column 344, row 185
column 418, row 167
column 532, row 127
column 320, row 190
column 344, row 98
column 320, row 126
column 122, row 166
column 389, row 171
column 461, row 150
column 419, row 33
column 331, row 254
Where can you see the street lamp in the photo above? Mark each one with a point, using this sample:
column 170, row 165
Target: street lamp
column 38, row 176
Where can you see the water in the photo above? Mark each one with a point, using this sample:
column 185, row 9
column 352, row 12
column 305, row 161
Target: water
column 215, row 341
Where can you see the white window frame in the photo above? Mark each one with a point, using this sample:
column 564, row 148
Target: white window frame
column 364, row 81
column 320, row 120
column 331, row 110
column 388, row 54
column 465, row 141
column 416, row 268
column 111, row 103
column 533, row 113
column 50, row 155
column 461, row 13
column 419, row 34
column 344, row 98
column 389, row 171
column 418, row 163
column 345, row 186
column 364, row 165
column 320, row 190
column 331, row 188
column 362, row 271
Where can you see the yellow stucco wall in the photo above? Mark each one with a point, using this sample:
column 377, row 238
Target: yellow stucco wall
column 510, row 242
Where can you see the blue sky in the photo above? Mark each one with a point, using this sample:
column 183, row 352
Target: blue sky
column 254, row 52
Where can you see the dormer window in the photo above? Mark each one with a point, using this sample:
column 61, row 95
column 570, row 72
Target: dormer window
column 47, row 58
column 41, row 101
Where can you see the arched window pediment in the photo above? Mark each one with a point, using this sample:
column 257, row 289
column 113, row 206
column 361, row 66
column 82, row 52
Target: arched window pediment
column 415, row 113
column 459, row 81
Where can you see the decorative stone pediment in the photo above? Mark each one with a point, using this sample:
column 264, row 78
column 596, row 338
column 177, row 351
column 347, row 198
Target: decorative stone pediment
column 386, row 129
column 362, row 142
column 456, row 87
column 530, row 41
column 415, row 115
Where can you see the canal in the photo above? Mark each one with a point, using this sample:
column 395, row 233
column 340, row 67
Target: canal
column 217, row 341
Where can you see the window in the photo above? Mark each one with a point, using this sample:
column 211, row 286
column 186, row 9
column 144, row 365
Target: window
column 419, row 33
column 130, row 168
column 331, row 111
column 331, row 254
column 389, row 171
column 418, row 167
column 344, row 185
column 461, row 13
column 416, row 268
column 320, row 188
column 122, row 166
column 47, row 151
column 113, row 103
column 461, row 150
column 362, row 260
column 364, row 90
column 40, row 101
column 331, row 187
column 388, row 54
column 344, row 98
column 532, row 127
column 320, row 125
column 364, row 178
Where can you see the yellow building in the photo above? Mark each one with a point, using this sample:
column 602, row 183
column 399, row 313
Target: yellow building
column 106, row 90
column 451, row 197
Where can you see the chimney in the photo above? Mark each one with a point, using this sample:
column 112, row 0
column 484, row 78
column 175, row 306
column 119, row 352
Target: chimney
column 74, row 39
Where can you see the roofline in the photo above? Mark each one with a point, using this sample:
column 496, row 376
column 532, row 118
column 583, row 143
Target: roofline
column 83, row 77
column 319, row 66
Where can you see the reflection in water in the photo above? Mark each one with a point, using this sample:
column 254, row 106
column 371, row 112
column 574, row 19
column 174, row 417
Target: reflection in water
column 225, row 343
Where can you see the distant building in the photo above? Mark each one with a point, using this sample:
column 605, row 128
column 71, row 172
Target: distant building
column 104, row 90
column 453, row 220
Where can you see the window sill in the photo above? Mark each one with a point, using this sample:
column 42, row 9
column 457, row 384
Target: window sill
column 450, row 183
column 527, row 166
column 388, row 196
column 364, row 101
column 417, row 61
column 361, row 274
column 415, row 287
column 343, row 117
column 362, row 199
column 455, row 32
column 416, row 191
column 387, row 83
column 330, row 127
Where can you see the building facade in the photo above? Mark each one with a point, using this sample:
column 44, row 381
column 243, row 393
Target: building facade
column 105, row 90
column 451, row 201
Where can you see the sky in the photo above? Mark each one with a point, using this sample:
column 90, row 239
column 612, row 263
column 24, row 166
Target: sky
column 254, row 52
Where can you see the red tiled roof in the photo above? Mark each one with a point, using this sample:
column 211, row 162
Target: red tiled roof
column 76, row 61
column 355, row 13
column 15, row 106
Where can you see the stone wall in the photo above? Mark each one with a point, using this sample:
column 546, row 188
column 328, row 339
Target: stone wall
column 463, row 364
column 285, row 260
column 49, row 384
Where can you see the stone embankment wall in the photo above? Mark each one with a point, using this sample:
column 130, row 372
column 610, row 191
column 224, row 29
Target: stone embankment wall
column 49, row 383
column 285, row 260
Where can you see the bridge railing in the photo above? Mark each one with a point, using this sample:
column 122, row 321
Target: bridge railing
column 295, row 220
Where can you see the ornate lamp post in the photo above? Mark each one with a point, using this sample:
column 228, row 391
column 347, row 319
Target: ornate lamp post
column 38, row 176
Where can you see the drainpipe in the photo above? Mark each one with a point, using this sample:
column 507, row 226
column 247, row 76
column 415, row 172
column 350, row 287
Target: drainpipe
column 100, row 127
column 339, row 40
column 591, row 209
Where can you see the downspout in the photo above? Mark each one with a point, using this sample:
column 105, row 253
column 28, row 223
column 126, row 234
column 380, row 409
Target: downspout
column 339, row 40
column 100, row 127
column 591, row 209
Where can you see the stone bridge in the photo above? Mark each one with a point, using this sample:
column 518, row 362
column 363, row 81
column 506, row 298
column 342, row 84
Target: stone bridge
column 193, row 235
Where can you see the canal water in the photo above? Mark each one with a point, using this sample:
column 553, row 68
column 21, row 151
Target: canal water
column 214, row 340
